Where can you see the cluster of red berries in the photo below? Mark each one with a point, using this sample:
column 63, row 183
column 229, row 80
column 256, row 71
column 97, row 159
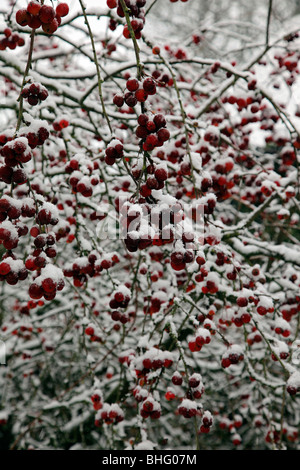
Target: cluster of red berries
column 126, row 357
column 150, row 408
column 153, row 304
column 232, row 356
column 236, row 422
column 210, row 287
column 130, row 221
column 121, row 317
column 91, row 331
column 36, row 136
column 196, row 385
column 179, row 259
column 121, row 298
column 61, row 124
column 274, row 436
column 290, row 308
column 254, row 337
column 97, row 400
column 114, row 151
column 280, row 353
column 9, row 236
column 16, row 151
column 241, row 319
column 151, row 225
column 152, row 132
column 153, row 359
column 188, row 408
column 12, row 175
column 202, row 337
column 11, row 209
column 34, row 93
column 263, row 310
column 140, row 394
column 207, row 421
column 81, row 268
column 201, row 275
column 283, row 329
column 135, row 10
column 156, row 177
column 37, row 15
column 24, row 331
column 12, row 270
column 48, row 281
column 109, row 414
column 83, row 175
column 137, row 92
column 47, row 215
column 11, row 40
column 47, row 289
column 44, row 246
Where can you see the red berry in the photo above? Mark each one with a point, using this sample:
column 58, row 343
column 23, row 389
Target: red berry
column 111, row 3
column 160, row 121
column 261, row 310
column 161, row 174
column 51, row 27
column 23, row 17
column 194, row 381
column 145, row 191
column 46, row 14
column 292, row 390
column 242, row 302
column 141, row 95
column 49, row 285
column 118, row 100
column 34, row 22
column 62, row 9
column 143, row 119
column 177, row 379
column 89, row 331
column 149, row 86
column 4, row 268
column 33, row 8
column 35, row 291
column 132, row 84
column 163, row 135
column 169, row 395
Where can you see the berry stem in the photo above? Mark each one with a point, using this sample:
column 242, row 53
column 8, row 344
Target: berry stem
column 27, row 68
column 100, row 81
column 135, row 44
column 149, row 8
column 270, row 347
column 269, row 22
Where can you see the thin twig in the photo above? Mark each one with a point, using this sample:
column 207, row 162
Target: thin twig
column 269, row 22
column 28, row 65
column 100, row 81
column 135, row 44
